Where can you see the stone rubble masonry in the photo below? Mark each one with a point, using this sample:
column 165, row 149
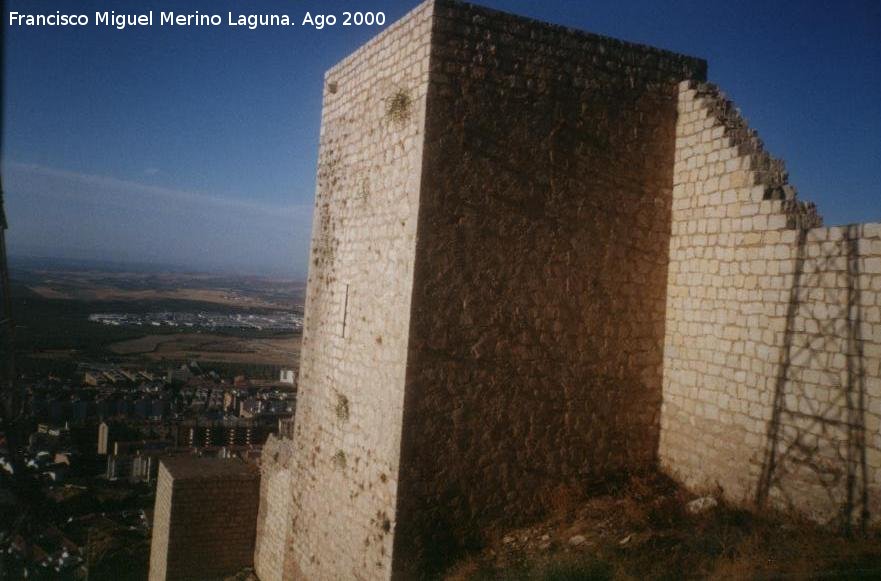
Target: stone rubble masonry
column 540, row 257
column 773, row 330
column 204, row 519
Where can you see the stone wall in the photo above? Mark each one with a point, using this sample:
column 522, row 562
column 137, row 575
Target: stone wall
column 539, row 292
column 344, row 455
column 204, row 519
column 773, row 334
column 539, row 259
column 490, row 230
column 161, row 526
column 273, row 547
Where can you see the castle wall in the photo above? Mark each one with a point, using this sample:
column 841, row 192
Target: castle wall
column 204, row 518
column 274, row 545
column 538, row 260
column 161, row 526
column 773, row 333
column 345, row 451
column 539, row 292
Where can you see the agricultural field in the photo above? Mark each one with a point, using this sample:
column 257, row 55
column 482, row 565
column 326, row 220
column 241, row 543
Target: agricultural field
column 96, row 285
column 53, row 304
column 215, row 348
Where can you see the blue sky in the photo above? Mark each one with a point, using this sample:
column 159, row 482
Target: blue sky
column 198, row 146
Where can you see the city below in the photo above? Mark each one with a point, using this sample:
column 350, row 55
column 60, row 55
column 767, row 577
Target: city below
column 116, row 372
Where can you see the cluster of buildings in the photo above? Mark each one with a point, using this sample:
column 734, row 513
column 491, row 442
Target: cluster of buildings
column 69, row 551
column 132, row 418
column 99, row 391
column 49, row 553
column 46, row 455
column 277, row 321
column 108, row 391
column 196, row 413
column 134, row 459
column 109, row 426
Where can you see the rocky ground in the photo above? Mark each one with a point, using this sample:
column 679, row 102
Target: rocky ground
column 649, row 528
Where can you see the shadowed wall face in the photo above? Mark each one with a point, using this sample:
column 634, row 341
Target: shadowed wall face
column 541, row 267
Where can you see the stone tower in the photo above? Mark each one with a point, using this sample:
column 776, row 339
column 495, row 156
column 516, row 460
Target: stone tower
column 486, row 297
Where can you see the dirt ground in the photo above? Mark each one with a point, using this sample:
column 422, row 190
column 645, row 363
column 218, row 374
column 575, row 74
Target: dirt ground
column 643, row 529
column 200, row 347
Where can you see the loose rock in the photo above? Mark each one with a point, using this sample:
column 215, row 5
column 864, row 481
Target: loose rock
column 700, row 505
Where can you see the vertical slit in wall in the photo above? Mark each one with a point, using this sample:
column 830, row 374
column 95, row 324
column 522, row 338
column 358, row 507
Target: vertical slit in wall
column 345, row 311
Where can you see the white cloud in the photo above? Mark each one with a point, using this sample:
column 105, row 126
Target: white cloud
column 105, row 188
column 110, row 218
